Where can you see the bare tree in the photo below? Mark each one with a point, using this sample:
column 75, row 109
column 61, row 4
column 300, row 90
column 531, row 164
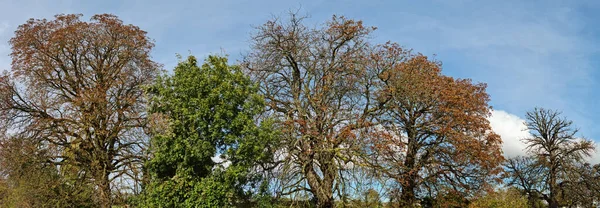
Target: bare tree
column 555, row 145
column 527, row 175
column 314, row 81
column 582, row 189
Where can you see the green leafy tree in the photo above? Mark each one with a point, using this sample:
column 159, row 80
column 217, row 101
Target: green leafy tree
column 200, row 113
column 371, row 198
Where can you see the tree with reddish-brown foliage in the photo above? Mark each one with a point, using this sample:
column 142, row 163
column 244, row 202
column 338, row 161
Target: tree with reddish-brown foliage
column 77, row 85
column 433, row 130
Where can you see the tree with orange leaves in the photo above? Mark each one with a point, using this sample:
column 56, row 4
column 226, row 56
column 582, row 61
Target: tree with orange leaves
column 80, row 90
column 433, row 131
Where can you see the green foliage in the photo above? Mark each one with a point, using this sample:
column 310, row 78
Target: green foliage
column 206, row 111
column 263, row 199
column 77, row 116
column 503, row 199
column 450, row 198
column 368, row 198
column 30, row 181
column 372, row 198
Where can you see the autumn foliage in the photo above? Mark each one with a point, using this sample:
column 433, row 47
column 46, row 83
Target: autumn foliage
column 80, row 92
column 311, row 117
column 433, row 131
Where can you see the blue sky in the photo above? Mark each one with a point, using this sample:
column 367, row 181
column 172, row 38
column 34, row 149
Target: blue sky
column 530, row 53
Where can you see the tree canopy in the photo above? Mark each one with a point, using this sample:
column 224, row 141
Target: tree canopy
column 318, row 116
column 434, row 131
column 207, row 140
column 80, row 91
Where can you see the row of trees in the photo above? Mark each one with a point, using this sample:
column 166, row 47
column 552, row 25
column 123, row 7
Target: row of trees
column 310, row 117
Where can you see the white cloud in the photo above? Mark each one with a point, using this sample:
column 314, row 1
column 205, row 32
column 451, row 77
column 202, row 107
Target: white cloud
column 511, row 129
column 595, row 159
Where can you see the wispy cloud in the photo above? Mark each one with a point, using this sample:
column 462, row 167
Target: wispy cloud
column 529, row 56
column 530, row 53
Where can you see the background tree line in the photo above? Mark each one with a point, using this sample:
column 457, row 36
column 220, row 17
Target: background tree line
column 311, row 117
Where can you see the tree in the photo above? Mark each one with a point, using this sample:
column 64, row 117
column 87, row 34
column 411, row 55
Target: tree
column 502, row 199
column 31, row 181
column 201, row 113
column 555, row 146
column 582, row 189
column 314, row 83
column 433, row 130
column 80, row 89
column 527, row 175
column 371, row 198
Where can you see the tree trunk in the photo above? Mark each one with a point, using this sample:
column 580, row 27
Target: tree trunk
column 104, row 194
column 325, row 203
column 553, row 203
column 321, row 188
column 409, row 176
column 408, row 195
